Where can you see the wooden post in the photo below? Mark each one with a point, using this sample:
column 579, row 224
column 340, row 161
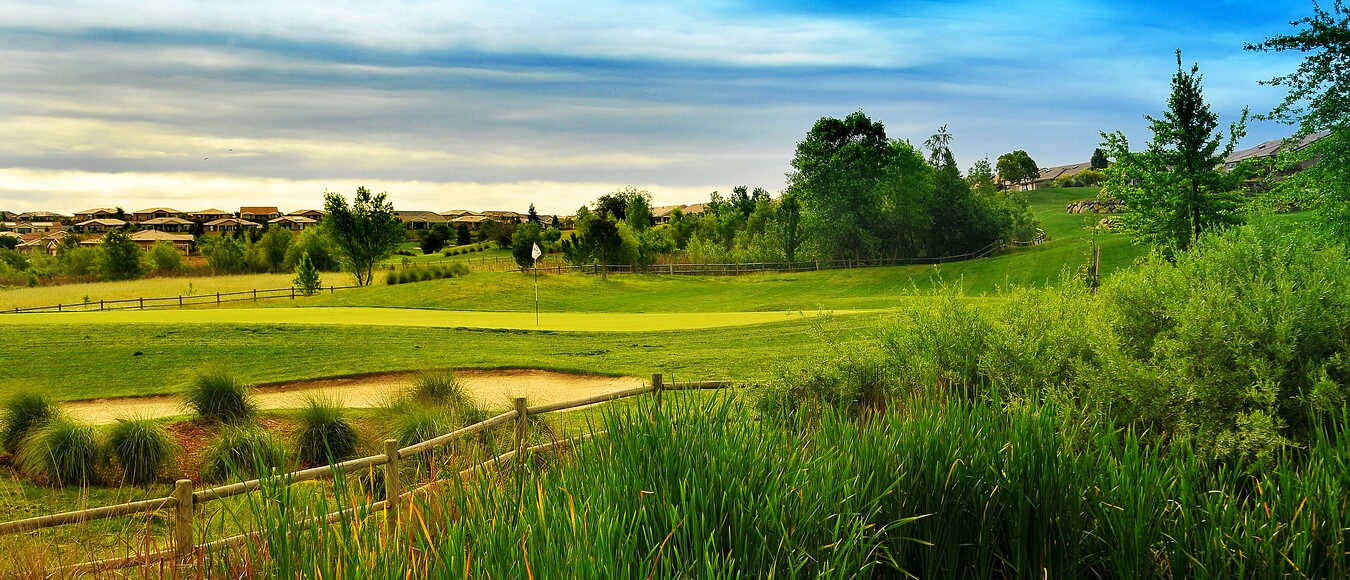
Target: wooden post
column 100, row 305
column 255, row 294
column 522, row 422
column 392, row 486
column 180, row 300
column 183, row 544
column 217, row 298
column 142, row 299
column 292, row 292
column 657, row 387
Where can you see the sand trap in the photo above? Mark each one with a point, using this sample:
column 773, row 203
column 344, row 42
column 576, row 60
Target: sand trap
column 493, row 389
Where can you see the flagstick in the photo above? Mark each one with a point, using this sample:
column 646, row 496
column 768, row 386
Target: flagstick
column 536, row 292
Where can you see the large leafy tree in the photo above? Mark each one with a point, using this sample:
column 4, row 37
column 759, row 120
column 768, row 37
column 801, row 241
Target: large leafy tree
column 363, row 233
column 1017, row 167
column 119, row 257
column 1174, row 190
column 835, row 174
column 1319, row 100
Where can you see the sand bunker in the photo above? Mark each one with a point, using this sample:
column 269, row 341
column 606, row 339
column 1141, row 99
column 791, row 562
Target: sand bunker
column 493, row 389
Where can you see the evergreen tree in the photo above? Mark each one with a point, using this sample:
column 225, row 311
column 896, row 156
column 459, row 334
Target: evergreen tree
column 532, row 216
column 1099, row 161
column 307, row 276
column 1174, row 190
column 463, row 236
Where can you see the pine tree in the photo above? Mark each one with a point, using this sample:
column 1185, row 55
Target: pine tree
column 307, row 276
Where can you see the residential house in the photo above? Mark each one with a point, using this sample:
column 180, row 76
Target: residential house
column 98, row 213
column 209, row 215
column 504, row 216
column 1048, row 175
column 99, row 226
column 420, row 220
column 26, row 227
column 168, row 224
column 472, row 221
column 662, row 213
column 41, row 216
column 154, row 213
column 696, row 209
column 454, row 213
column 259, row 214
column 313, row 214
column 229, row 224
column 1270, row 149
column 291, row 222
column 35, row 243
column 147, row 239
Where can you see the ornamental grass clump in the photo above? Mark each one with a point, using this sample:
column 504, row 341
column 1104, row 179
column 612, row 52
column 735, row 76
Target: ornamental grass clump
column 23, row 414
column 63, row 451
column 142, row 447
column 219, row 397
column 326, row 435
column 242, row 452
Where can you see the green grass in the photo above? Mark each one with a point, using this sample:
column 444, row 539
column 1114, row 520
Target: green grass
column 11, row 298
column 491, row 253
column 162, row 358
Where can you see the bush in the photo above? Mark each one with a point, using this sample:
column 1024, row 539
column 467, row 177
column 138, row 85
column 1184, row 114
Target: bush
column 142, row 448
column 416, row 424
column 326, row 435
column 439, row 388
column 163, row 257
column 422, row 274
column 65, row 452
column 242, row 452
column 391, row 278
column 218, row 396
column 24, row 413
column 851, row 384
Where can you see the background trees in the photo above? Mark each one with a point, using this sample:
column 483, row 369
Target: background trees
column 1174, row 189
column 119, row 258
column 363, row 233
column 1017, row 167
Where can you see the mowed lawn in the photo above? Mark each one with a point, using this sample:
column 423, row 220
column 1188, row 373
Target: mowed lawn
column 149, row 288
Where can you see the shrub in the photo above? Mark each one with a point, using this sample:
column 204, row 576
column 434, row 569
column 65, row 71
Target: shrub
column 65, row 452
column 326, row 435
column 141, row 447
column 163, row 257
column 242, row 452
column 391, row 278
column 416, row 424
column 218, row 396
column 852, row 384
column 439, row 388
column 24, row 413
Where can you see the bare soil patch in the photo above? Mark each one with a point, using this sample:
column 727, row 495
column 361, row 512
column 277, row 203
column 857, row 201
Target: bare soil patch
column 492, row 389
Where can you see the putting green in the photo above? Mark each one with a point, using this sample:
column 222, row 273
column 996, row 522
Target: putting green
column 552, row 321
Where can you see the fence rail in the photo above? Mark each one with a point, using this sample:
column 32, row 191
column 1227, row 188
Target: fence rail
column 175, row 301
column 184, row 499
column 734, row 269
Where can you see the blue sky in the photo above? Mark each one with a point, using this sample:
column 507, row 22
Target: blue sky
column 450, row 105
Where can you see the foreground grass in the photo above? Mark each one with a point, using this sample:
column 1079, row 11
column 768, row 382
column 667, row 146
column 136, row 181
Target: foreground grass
column 82, row 362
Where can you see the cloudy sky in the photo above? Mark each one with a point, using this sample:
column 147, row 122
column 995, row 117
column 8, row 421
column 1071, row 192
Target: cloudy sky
column 449, row 105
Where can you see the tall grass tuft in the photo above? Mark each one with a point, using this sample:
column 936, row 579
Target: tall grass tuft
column 220, row 397
column 326, row 435
column 416, row 424
column 142, row 447
column 242, row 452
column 24, row 413
column 63, row 451
column 439, row 388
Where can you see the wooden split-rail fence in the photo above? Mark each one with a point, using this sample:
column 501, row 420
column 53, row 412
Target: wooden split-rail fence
column 184, row 499
column 175, row 301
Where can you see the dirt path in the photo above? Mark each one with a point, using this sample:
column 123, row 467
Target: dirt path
column 493, row 389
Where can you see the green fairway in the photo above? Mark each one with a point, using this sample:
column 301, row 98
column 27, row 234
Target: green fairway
column 550, row 321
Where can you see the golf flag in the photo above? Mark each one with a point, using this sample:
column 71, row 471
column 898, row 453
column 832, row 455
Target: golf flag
column 537, row 252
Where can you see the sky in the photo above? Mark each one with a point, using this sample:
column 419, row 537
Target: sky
column 496, row 105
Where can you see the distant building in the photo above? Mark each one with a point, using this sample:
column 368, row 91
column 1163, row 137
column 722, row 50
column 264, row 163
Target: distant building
column 155, row 213
column 167, row 224
column 420, row 220
column 98, row 213
column 662, row 213
column 98, row 226
column 227, row 225
column 259, row 214
column 1272, row 148
column 209, row 215
column 291, row 222
column 313, row 214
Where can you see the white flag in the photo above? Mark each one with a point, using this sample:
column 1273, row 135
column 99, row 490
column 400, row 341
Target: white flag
column 537, row 252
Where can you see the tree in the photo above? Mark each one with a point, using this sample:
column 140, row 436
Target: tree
column 224, row 254
column 638, row 214
column 789, row 221
column 272, row 248
column 835, row 173
column 532, row 216
column 1319, row 100
column 164, row 257
column 119, row 257
column 1017, row 167
column 523, row 241
column 435, row 238
column 1174, row 190
column 1099, row 160
column 463, row 236
column 615, row 204
column 312, row 241
column 981, row 177
column 363, row 233
column 307, row 276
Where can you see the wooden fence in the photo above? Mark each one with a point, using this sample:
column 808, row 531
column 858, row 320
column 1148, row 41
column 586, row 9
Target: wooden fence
column 184, row 499
column 677, row 268
column 175, row 301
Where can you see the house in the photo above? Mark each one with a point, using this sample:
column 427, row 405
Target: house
column 1050, row 174
column 504, row 216
column 40, row 216
column 25, row 227
column 98, row 213
column 472, row 221
column 168, row 224
column 661, row 214
column 454, row 213
column 39, row 243
column 259, row 214
column 696, row 209
column 147, row 239
column 229, row 224
column 99, row 226
column 313, row 214
column 154, row 213
column 420, row 220
column 209, row 215
column 1271, row 149
column 290, row 222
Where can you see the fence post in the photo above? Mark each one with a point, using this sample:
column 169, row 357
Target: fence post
column 657, row 387
column 522, row 422
column 217, row 298
column 183, row 544
column 142, row 299
column 292, row 292
column 255, row 294
column 180, row 300
column 392, row 486
column 100, row 305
